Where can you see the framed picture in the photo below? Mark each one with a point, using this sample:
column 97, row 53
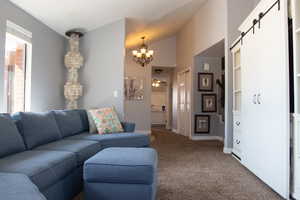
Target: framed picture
column 202, row 124
column 134, row 88
column 209, row 103
column 205, row 82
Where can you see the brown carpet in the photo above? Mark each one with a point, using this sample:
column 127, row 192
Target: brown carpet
column 198, row 170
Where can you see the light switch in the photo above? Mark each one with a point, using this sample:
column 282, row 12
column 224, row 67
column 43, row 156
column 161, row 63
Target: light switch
column 116, row 94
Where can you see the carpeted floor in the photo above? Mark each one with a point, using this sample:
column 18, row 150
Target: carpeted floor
column 197, row 170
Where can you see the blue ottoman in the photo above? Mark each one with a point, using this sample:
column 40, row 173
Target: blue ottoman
column 121, row 174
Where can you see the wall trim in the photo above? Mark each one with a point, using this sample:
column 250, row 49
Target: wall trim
column 227, row 150
column 148, row 132
column 197, row 138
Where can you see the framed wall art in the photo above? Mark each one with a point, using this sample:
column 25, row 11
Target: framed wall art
column 202, row 124
column 209, row 103
column 205, row 82
column 134, row 88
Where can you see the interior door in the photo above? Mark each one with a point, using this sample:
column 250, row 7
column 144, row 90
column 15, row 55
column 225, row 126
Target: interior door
column 266, row 103
column 184, row 101
column 181, row 103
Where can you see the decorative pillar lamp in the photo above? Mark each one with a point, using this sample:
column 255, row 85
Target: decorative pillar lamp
column 73, row 61
column 143, row 56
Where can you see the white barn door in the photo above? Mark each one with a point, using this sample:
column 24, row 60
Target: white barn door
column 265, row 103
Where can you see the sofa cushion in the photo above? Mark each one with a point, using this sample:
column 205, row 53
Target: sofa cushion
column 69, row 122
column 128, row 127
column 84, row 119
column 83, row 149
column 116, row 139
column 37, row 128
column 122, row 165
column 44, row 168
column 10, row 139
column 18, row 187
column 5, row 115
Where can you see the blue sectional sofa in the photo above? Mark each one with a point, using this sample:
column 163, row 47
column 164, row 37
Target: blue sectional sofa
column 50, row 149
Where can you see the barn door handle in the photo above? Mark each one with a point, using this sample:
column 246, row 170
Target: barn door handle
column 254, row 99
column 259, row 99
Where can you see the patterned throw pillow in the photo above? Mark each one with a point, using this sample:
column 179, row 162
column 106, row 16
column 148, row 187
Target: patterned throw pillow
column 106, row 120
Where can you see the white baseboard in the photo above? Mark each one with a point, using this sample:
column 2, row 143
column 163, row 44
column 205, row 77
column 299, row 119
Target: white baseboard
column 148, row 132
column 227, row 150
column 197, row 138
column 296, row 193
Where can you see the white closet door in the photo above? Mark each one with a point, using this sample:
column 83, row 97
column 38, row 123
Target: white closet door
column 184, row 103
column 251, row 115
column 266, row 123
column 181, row 103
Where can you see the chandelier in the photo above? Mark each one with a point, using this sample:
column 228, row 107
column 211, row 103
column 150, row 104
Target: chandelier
column 156, row 83
column 143, row 56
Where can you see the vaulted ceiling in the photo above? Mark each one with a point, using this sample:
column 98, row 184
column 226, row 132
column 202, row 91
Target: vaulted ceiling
column 155, row 18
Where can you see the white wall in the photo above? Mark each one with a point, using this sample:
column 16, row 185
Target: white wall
column 103, row 71
column 164, row 55
column 159, row 98
column 48, row 49
column 205, row 29
column 215, row 21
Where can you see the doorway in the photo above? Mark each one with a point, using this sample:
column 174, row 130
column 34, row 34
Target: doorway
column 209, row 94
column 161, row 97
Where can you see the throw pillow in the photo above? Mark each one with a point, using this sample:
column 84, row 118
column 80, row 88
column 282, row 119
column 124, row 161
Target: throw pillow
column 106, row 120
column 92, row 125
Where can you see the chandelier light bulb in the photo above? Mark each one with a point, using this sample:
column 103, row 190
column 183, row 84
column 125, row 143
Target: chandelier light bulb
column 151, row 52
column 134, row 52
column 143, row 50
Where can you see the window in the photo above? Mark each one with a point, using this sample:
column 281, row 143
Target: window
column 17, row 69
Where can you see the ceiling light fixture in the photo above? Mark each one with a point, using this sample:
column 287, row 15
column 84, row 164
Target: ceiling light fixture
column 156, row 83
column 143, row 56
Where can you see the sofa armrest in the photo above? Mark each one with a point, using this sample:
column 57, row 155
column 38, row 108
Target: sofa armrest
column 128, row 127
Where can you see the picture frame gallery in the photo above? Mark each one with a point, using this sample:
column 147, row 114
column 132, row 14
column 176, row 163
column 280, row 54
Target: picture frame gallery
column 205, row 82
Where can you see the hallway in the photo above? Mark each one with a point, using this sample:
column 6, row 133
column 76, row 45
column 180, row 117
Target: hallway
column 198, row 170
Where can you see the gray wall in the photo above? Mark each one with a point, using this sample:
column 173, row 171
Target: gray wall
column 103, row 71
column 165, row 56
column 47, row 59
column 216, row 126
column 256, row 2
